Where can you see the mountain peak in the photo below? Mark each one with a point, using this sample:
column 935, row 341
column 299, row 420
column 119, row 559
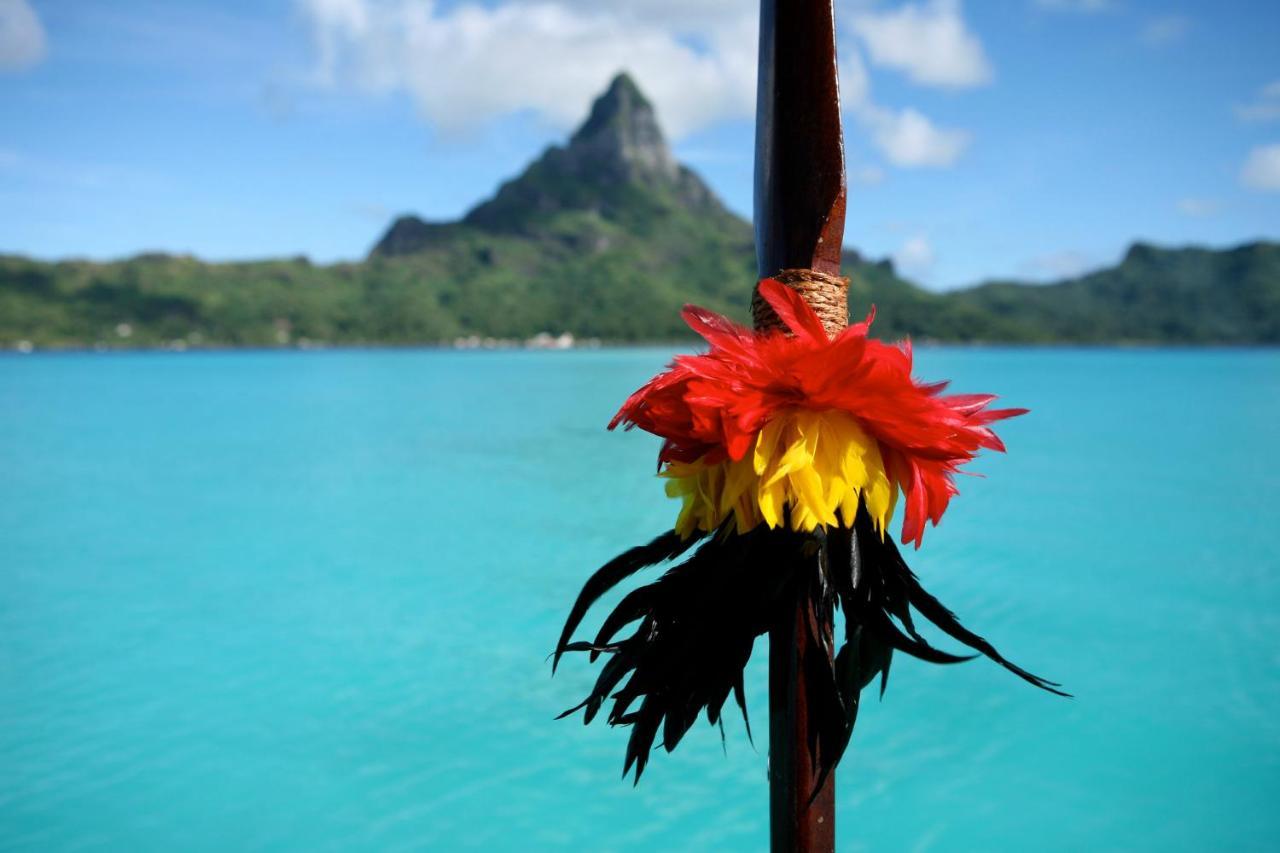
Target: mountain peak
column 616, row 166
column 622, row 135
column 619, row 102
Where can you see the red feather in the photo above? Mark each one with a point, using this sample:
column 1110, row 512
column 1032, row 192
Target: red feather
column 713, row 405
column 792, row 310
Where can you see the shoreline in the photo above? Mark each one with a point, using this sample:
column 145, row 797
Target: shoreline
column 17, row 350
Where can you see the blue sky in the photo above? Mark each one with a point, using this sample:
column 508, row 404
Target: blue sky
column 1027, row 138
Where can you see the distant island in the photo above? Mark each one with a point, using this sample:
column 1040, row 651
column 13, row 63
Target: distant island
column 603, row 239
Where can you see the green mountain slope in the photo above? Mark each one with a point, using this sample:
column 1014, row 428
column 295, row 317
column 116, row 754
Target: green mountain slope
column 606, row 237
column 1189, row 295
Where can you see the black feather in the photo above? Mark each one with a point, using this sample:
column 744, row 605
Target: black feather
column 885, row 629
column 698, row 623
column 740, row 697
column 697, row 626
column 668, row 546
column 935, row 612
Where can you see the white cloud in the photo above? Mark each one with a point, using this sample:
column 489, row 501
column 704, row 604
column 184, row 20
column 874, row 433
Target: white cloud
column 1165, row 30
column 906, row 137
column 1088, row 6
column 1262, row 169
column 909, row 139
column 688, row 15
column 915, row 257
column 1197, row 207
column 929, row 43
column 1266, row 107
column 22, row 40
column 467, row 64
column 865, row 176
column 855, row 84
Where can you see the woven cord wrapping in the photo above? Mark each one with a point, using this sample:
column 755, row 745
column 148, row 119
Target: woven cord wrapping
column 827, row 295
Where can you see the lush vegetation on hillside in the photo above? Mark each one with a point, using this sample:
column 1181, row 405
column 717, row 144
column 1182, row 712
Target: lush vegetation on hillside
column 587, row 276
column 1195, row 296
column 605, row 237
column 596, row 279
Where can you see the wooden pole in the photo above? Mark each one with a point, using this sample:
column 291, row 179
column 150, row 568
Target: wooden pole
column 799, row 181
column 799, row 223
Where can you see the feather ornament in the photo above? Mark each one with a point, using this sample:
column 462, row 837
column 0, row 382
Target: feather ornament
column 788, row 453
column 717, row 407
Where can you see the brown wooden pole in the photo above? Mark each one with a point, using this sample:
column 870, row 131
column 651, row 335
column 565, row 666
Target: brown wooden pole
column 799, row 223
column 799, row 181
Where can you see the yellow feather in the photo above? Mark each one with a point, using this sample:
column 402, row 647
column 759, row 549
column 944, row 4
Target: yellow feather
column 767, row 445
column 820, row 465
column 738, row 479
column 771, row 499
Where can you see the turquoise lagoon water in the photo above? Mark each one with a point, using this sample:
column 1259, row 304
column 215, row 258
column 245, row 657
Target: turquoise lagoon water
column 303, row 601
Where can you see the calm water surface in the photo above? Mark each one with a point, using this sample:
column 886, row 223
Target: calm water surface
column 304, row 602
